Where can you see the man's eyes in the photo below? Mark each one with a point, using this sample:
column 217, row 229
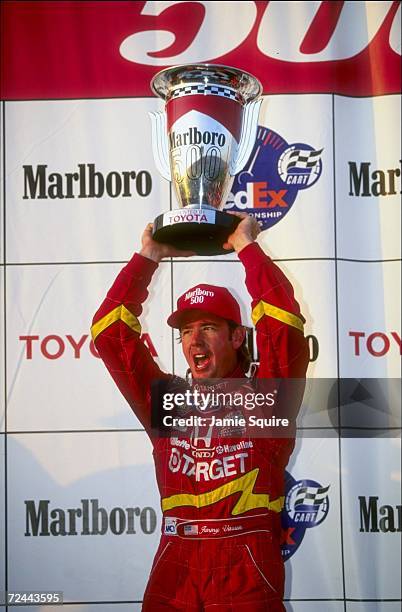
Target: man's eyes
column 185, row 332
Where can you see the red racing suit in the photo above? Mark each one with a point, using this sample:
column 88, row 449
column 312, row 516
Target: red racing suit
column 221, row 497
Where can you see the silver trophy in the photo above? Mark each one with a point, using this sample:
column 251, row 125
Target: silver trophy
column 201, row 140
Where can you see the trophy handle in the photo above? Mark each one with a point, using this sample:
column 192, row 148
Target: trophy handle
column 247, row 136
column 160, row 144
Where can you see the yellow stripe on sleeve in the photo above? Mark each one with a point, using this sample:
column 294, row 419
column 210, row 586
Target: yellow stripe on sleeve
column 263, row 308
column 120, row 313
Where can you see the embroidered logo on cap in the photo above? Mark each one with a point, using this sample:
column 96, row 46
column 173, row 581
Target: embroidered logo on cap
column 198, row 295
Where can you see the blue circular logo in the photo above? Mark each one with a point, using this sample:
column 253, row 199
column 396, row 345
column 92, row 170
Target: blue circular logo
column 306, row 506
column 270, row 181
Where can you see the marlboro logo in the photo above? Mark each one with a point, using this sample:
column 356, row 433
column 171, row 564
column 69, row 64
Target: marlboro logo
column 195, row 136
column 87, row 519
column 199, row 291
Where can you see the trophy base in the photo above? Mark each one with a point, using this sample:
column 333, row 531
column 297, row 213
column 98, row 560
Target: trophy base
column 202, row 230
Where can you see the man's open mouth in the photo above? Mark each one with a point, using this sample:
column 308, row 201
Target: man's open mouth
column 201, row 361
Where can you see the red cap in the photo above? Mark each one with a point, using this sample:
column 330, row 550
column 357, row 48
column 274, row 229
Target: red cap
column 210, row 298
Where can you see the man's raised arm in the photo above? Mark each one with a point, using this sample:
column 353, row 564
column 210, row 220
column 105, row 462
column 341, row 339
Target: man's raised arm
column 282, row 347
column 116, row 330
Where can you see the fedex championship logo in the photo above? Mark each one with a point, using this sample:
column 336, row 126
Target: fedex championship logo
column 270, row 181
column 306, row 506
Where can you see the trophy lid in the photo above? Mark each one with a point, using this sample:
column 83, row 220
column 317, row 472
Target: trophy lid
column 243, row 83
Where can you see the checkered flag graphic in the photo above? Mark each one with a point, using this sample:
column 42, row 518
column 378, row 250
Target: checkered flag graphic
column 215, row 90
column 302, row 158
column 310, row 496
column 201, row 74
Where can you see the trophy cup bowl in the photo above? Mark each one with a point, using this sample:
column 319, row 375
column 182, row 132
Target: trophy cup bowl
column 200, row 142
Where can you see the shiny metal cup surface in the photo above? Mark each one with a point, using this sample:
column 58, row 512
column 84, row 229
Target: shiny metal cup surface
column 206, row 133
column 201, row 140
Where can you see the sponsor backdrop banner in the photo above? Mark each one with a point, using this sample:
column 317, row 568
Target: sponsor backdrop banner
column 78, row 500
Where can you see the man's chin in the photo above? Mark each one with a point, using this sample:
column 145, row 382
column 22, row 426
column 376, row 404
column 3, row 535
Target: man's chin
column 202, row 374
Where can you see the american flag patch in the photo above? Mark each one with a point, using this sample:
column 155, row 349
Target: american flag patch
column 190, row 529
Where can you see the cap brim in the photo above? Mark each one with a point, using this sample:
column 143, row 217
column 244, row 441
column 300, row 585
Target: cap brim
column 175, row 318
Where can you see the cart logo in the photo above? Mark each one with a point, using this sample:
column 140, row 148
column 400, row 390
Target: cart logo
column 272, row 177
column 299, row 165
column 306, row 506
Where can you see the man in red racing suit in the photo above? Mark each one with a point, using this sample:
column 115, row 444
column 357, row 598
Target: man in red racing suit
column 221, row 496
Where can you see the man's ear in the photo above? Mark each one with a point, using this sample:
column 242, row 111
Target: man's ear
column 238, row 335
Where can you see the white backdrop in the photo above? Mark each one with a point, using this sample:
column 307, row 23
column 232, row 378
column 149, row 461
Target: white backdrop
column 67, row 436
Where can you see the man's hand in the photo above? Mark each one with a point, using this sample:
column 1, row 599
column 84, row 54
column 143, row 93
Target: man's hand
column 157, row 250
column 245, row 233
